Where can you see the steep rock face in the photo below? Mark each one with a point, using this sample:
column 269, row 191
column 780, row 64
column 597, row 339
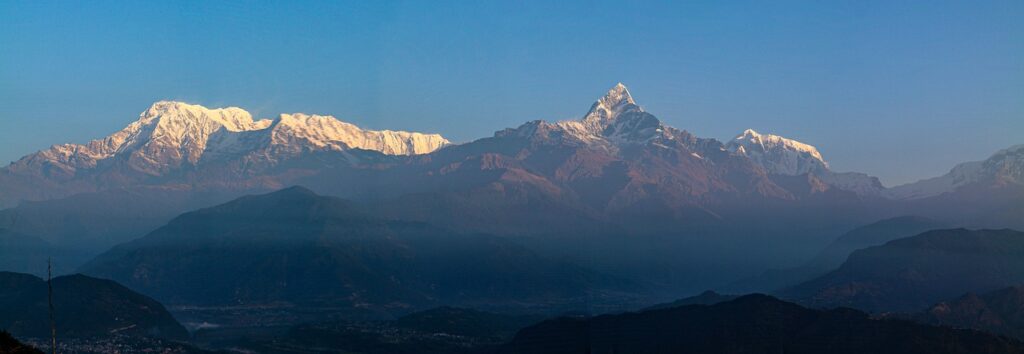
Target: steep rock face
column 618, row 156
column 614, row 118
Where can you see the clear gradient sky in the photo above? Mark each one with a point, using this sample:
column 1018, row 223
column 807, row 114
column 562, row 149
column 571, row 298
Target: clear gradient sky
column 898, row 89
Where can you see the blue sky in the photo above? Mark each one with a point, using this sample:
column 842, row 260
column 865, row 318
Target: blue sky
column 897, row 89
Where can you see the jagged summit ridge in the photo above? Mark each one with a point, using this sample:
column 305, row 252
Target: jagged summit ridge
column 170, row 134
column 614, row 119
column 231, row 118
column 783, row 156
column 327, row 132
column 183, row 143
column 777, row 154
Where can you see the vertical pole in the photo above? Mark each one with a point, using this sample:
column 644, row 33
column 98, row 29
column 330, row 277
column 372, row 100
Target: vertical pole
column 49, row 295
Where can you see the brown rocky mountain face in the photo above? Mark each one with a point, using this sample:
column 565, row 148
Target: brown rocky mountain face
column 617, row 159
column 618, row 172
column 617, row 164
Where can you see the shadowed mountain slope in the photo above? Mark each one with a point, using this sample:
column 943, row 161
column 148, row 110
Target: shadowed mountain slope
column 293, row 247
column 750, row 324
column 912, row 273
column 1000, row 312
column 83, row 307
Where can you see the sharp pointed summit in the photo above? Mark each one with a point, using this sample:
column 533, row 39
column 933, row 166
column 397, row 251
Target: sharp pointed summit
column 618, row 95
column 613, row 119
column 613, row 104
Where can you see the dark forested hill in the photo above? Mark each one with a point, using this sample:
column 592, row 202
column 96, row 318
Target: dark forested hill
column 295, row 247
column 913, row 273
column 750, row 324
column 83, row 307
column 1000, row 312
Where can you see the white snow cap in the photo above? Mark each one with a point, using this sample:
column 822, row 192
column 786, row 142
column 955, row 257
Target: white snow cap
column 778, row 155
column 615, row 102
column 170, row 134
column 1004, row 166
column 613, row 119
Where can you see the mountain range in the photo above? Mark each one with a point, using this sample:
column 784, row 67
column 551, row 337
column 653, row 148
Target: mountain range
column 175, row 144
column 598, row 190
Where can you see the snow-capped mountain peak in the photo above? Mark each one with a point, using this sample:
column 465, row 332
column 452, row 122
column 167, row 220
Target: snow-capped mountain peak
column 778, row 155
column 231, row 118
column 1006, row 166
column 615, row 121
column 327, row 132
column 788, row 157
column 769, row 140
column 615, row 118
column 610, row 106
column 170, row 134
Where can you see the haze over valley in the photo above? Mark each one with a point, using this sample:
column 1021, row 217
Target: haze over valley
column 406, row 178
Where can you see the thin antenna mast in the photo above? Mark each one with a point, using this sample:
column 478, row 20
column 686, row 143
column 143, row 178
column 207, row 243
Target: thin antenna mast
column 49, row 295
